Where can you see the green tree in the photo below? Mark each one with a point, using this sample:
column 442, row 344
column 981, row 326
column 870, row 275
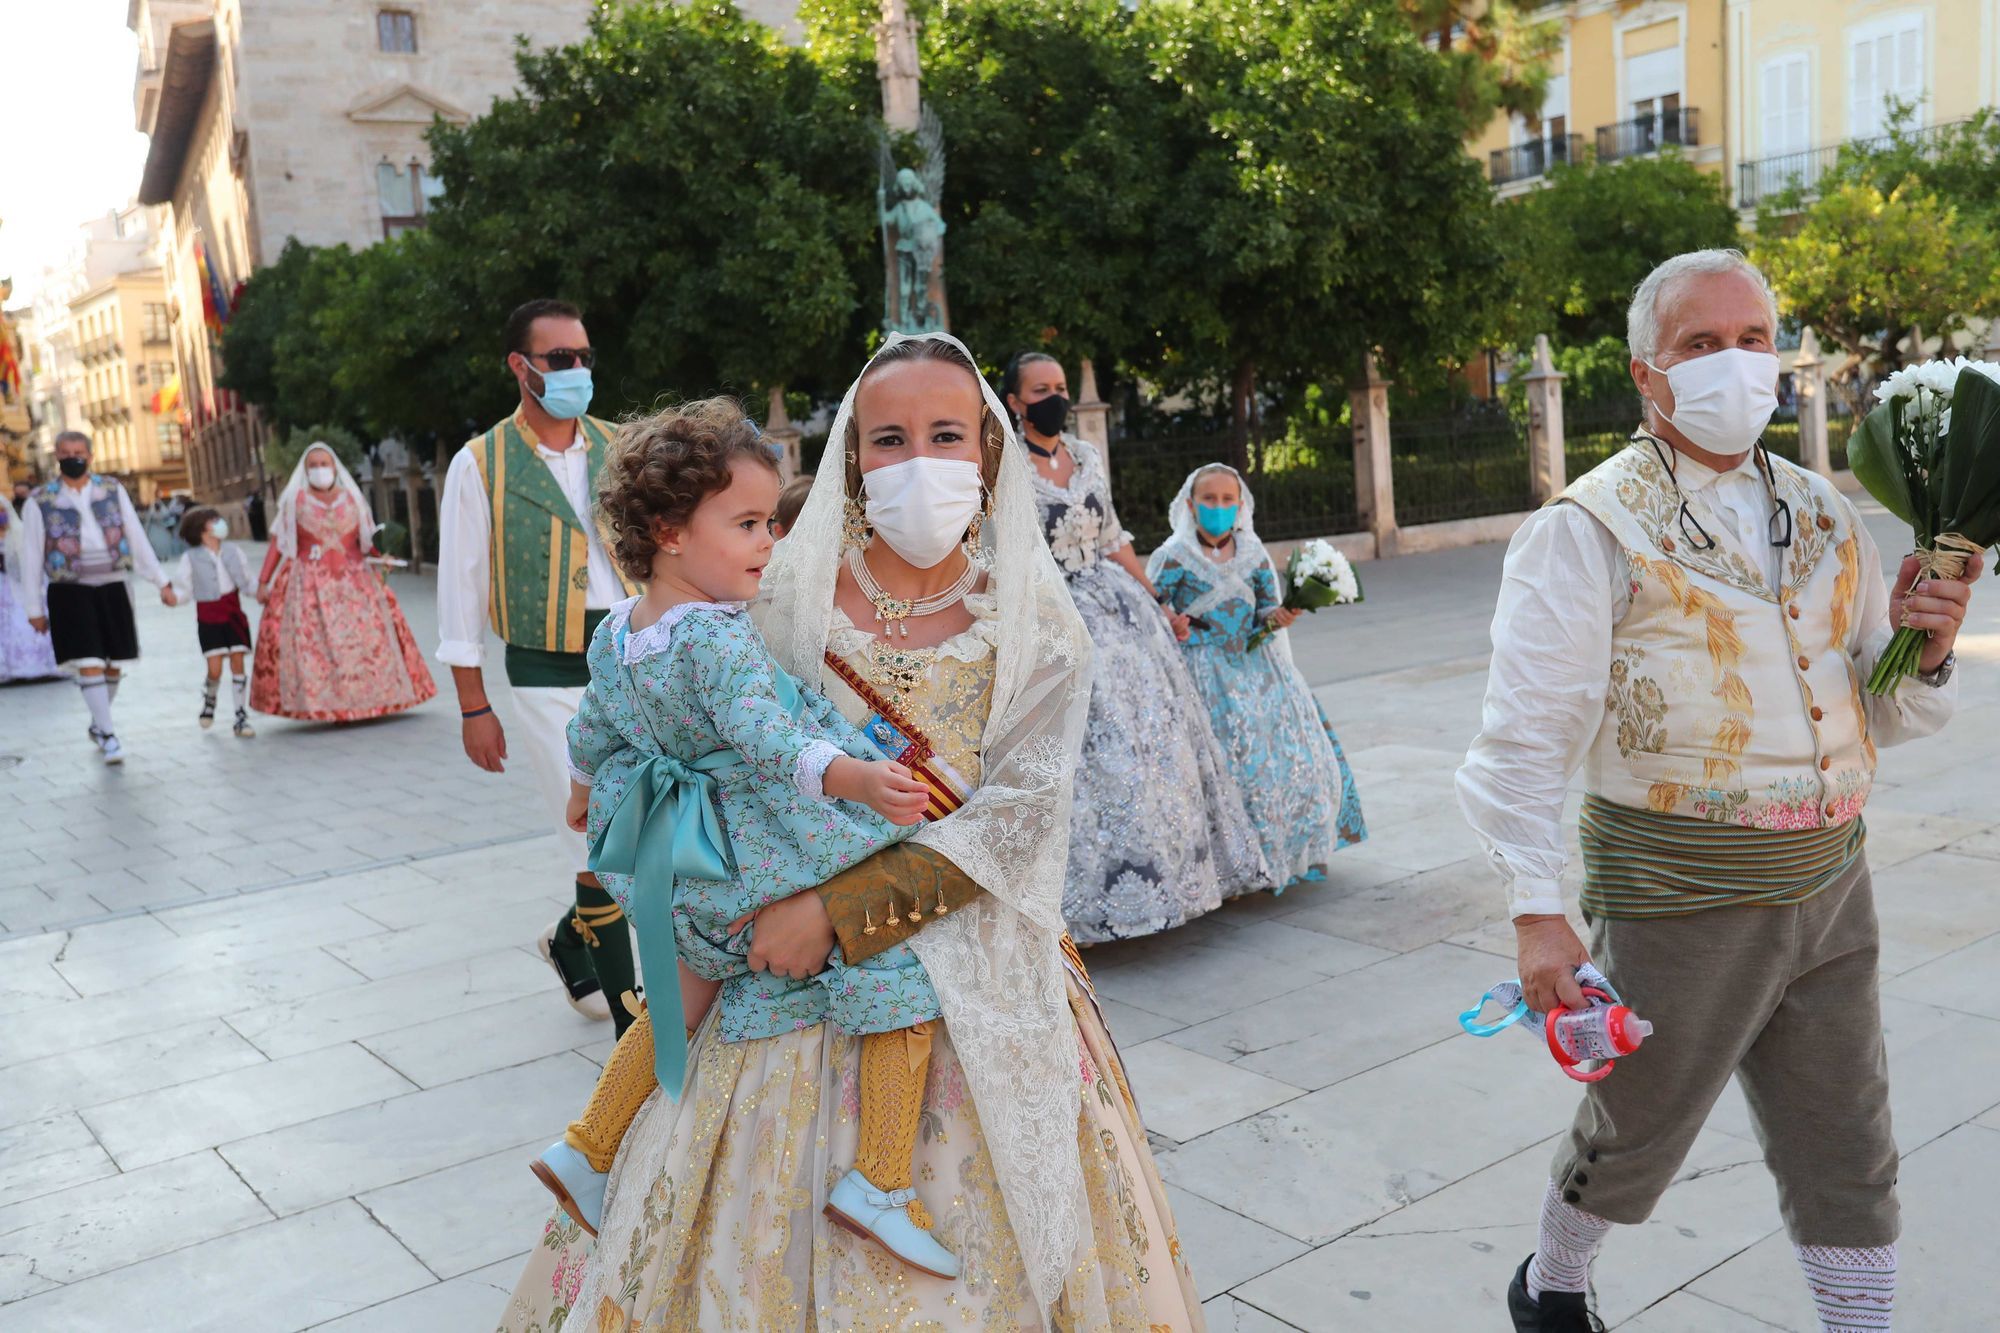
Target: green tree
column 284, row 449
column 1499, row 52
column 273, row 350
column 1581, row 244
column 698, row 187
column 1320, row 203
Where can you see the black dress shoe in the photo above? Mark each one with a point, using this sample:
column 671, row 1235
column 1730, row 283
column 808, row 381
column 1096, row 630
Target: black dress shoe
column 1555, row 1312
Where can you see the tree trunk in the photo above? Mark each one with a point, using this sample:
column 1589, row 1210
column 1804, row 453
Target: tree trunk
column 1243, row 384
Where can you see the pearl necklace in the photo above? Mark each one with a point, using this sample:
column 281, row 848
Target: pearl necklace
column 894, row 613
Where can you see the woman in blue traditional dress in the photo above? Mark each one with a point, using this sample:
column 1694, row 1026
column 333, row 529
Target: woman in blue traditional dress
column 1159, row 834
column 1281, row 748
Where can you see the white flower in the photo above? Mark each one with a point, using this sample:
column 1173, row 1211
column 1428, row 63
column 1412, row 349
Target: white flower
column 1939, row 375
column 1321, row 562
column 1900, row 384
column 1991, row 370
column 1343, row 582
column 1073, row 540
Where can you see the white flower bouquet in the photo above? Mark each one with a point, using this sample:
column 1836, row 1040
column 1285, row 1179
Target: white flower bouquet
column 1931, row 454
column 1319, row 576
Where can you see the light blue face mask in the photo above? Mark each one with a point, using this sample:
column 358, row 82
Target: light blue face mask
column 1216, row 520
column 565, row 394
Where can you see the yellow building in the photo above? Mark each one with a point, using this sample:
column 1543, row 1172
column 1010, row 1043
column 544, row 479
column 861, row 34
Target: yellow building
column 1765, row 91
column 1806, row 76
column 124, row 346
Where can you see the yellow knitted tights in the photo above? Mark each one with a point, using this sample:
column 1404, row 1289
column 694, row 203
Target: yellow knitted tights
column 893, row 1069
column 622, row 1088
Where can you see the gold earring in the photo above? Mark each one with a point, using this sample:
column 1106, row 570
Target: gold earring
column 854, row 529
column 867, row 921
column 940, row 909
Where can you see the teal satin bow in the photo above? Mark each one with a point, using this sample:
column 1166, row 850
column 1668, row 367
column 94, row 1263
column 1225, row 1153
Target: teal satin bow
column 665, row 826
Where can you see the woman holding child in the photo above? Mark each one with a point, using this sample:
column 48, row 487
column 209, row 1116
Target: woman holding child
column 914, row 590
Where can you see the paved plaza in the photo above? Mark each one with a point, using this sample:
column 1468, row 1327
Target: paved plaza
column 275, row 1046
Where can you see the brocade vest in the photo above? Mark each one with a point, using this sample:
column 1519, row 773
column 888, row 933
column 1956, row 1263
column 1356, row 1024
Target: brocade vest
column 1731, row 701
column 539, row 560
column 62, row 530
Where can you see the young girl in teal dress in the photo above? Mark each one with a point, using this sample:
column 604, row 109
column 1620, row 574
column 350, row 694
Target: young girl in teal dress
column 1279, row 745
column 714, row 784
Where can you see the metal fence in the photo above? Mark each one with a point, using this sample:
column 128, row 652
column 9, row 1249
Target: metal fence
column 1463, row 466
column 1303, row 485
column 1758, row 180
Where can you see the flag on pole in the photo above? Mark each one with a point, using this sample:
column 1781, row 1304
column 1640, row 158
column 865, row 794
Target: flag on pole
column 214, row 300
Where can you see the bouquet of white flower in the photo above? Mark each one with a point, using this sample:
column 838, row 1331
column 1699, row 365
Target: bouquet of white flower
column 1931, row 454
column 1319, row 576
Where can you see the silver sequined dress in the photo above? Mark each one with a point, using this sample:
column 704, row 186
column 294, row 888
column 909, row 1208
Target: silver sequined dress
column 1159, row 833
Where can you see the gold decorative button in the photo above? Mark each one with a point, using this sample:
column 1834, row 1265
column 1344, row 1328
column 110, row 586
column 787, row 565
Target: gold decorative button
column 1826, row 762
column 1818, row 713
column 1826, row 523
column 1667, row 545
column 1805, row 663
column 1829, row 809
column 1793, row 611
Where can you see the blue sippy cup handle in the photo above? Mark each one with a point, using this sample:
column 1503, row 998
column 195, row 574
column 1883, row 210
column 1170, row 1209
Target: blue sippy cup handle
column 1469, row 1019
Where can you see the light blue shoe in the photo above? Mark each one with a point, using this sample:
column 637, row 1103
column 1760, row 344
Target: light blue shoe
column 577, row 1188
column 883, row 1216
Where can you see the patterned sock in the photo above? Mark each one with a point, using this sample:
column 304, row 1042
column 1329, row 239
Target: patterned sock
column 239, row 689
column 97, row 698
column 893, row 1067
column 208, row 689
column 621, row 1090
column 1852, row 1288
column 601, row 923
column 1569, row 1240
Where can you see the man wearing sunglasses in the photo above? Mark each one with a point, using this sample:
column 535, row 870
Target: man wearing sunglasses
column 1691, row 627
column 518, row 550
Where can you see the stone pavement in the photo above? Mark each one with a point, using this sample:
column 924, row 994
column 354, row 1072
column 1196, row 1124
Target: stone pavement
column 283, row 1062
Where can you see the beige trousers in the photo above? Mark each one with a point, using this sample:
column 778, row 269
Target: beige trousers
column 1785, row 998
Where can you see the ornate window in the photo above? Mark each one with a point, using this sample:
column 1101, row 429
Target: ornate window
column 396, row 31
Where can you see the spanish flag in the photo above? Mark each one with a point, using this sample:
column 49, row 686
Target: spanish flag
column 167, row 397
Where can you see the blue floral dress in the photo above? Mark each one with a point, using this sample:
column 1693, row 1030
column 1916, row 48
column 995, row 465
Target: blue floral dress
column 697, row 681
column 1158, row 833
column 1280, row 747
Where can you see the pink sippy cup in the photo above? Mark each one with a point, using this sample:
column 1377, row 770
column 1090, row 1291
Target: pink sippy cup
column 1603, row 1032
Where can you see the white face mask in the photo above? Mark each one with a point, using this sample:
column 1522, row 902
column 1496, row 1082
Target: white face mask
column 922, row 507
column 219, row 529
column 320, row 477
column 1723, row 401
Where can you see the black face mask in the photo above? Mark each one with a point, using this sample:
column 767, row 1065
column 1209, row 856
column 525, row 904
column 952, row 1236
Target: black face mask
column 1047, row 415
column 74, row 467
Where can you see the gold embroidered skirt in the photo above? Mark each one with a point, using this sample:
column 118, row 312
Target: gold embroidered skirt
column 713, row 1218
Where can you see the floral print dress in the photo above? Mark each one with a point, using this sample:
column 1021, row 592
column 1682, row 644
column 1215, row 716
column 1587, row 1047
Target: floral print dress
column 1281, row 748
column 1159, row 833
column 332, row 645
column 713, row 1219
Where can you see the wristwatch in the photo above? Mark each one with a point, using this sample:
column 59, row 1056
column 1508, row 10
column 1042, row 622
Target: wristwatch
column 1934, row 679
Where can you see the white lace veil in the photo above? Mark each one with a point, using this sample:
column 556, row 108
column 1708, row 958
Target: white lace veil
column 285, row 518
column 1228, row 578
column 996, row 964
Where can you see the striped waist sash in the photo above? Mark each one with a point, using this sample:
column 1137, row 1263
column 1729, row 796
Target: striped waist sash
column 1640, row 863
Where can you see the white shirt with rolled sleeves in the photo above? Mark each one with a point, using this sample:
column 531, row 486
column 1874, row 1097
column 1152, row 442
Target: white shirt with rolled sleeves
column 465, row 550
column 94, row 564
column 1562, row 594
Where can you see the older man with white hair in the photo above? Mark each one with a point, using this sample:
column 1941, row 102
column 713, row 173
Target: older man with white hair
column 1691, row 626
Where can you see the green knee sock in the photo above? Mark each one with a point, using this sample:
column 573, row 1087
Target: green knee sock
column 602, row 924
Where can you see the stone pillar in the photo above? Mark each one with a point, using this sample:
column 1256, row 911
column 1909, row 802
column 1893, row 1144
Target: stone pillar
column 1991, row 352
column 1548, row 470
column 1809, row 387
column 778, row 428
column 1093, row 414
column 1374, row 488
column 413, row 484
column 896, row 66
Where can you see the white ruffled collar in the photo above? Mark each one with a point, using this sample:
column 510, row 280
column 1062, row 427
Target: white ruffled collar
column 655, row 638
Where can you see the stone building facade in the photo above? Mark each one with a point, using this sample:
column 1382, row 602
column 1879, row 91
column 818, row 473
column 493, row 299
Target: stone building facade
column 280, row 119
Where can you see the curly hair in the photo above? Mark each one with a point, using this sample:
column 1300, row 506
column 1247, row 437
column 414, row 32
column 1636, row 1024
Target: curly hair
column 992, row 431
column 661, row 467
column 195, row 522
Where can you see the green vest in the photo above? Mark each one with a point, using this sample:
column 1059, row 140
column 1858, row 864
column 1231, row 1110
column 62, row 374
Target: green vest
column 539, row 560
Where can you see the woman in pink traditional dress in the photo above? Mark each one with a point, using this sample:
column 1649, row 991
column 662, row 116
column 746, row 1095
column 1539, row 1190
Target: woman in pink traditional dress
column 333, row 645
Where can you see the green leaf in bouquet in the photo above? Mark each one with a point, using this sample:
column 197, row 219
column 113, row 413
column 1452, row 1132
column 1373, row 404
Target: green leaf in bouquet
column 1969, row 481
column 1311, row 595
column 1877, row 464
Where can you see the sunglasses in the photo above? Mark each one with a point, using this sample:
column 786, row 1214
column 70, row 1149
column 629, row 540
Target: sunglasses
column 565, row 358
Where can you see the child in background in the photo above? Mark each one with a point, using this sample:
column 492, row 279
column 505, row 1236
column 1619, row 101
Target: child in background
column 790, row 501
column 1279, row 745
column 214, row 576
column 686, row 710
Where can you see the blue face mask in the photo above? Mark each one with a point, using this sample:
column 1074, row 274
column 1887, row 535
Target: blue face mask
column 1216, row 520
column 565, row 394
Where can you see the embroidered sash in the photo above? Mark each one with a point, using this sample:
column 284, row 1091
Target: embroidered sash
column 902, row 739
